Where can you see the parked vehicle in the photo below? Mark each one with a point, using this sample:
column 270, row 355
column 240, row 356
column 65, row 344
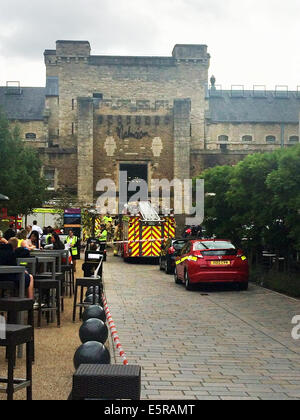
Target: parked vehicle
column 211, row 261
column 142, row 235
column 170, row 250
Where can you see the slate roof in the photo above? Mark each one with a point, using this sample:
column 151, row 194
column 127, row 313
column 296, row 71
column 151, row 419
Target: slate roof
column 27, row 106
column 243, row 107
column 249, row 107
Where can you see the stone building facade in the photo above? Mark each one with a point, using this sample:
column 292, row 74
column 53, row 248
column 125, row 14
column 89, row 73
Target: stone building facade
column 155, row 117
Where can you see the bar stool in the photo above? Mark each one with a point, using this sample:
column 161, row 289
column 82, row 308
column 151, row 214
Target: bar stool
column 68, row 271
column 16, row 335
column 48, row 285
column 85, row 282
column 13, row 305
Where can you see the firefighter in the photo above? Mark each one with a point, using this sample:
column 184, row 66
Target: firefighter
column 117, row 238
column 103, row 236
column 72, row 240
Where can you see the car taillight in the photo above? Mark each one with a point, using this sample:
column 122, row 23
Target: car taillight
column 171, row 250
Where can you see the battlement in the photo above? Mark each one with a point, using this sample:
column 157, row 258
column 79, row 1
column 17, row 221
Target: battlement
column 75, row 50
column 190, row 52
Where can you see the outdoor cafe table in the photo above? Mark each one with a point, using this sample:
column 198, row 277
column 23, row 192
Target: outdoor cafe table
column 20, row 271
column 45, row 259
column 58, row 254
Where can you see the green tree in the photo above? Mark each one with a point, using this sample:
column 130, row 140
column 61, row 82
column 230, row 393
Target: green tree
column 284, row 184
column 218, row 211
column 20, row 175
column 250, row 198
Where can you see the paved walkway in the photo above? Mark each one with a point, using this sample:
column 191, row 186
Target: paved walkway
column 226, row 345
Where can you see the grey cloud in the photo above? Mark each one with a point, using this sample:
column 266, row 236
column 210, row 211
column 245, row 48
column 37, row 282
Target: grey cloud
column 109, row 26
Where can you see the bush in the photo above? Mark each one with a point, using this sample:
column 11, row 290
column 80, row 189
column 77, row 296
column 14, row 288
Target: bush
column 287, row 283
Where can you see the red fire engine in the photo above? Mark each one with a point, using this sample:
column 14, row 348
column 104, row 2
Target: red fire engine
column 142, row 235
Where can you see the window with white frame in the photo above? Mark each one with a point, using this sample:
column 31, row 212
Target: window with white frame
column 49, row 175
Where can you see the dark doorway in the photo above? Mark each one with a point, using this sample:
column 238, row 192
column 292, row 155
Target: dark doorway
column 135, row 172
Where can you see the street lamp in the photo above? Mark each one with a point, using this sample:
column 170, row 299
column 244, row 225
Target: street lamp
column 3, row 197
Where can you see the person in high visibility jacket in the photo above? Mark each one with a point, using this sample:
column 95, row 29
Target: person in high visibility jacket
column 107, row 219
column 103, row 235
column 72, row 240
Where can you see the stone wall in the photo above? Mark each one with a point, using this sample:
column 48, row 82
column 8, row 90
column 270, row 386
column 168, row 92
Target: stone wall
column 64, row 161
column 39, row 128
column 133, row 132
column 85, row 150
column 209, row 159
column 184, row 75
column 258, row 131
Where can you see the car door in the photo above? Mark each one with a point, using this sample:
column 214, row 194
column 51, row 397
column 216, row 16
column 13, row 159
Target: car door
column 181, row 261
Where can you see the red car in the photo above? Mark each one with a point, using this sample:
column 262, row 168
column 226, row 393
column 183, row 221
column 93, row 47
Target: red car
column 211, row 261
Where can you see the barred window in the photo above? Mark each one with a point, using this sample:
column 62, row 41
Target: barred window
column 247, row 138
column 294, row 139
column 223, row 138
column 270, row 139
column 30, row 136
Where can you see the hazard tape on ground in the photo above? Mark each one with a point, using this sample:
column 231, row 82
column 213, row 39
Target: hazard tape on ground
column 114, row 332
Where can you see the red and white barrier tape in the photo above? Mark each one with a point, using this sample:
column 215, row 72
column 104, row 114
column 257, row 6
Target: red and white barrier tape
column 114, row 332
column 144, row 240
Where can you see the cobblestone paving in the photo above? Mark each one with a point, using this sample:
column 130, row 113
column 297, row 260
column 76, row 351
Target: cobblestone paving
column 226, row 345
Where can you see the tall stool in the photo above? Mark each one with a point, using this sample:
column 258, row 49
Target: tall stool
column 17, row 335
column 68, row 271
column 84, row 282
column 13, row 305
column 48, row 285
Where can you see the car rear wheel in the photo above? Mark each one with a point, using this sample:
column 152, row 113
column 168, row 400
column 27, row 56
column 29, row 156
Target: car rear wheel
column 187, row 281
column 177, row 280
column 243, row 286
column 168, row 268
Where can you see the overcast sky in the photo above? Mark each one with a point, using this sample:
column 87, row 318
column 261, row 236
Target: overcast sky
column 250, row 41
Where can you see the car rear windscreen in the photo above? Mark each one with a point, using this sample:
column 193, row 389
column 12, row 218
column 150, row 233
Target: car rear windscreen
column 215, row 248
column 219, row 253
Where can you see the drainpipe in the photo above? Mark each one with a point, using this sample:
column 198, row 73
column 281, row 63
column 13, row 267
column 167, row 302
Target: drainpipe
column 282, row 135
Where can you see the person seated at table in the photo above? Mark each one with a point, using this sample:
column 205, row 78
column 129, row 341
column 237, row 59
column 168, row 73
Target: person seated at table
column 56, row 242
column 23, row 242
column 8, row 258
column 2, row 240
column 10, row 233
column 34, row 240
